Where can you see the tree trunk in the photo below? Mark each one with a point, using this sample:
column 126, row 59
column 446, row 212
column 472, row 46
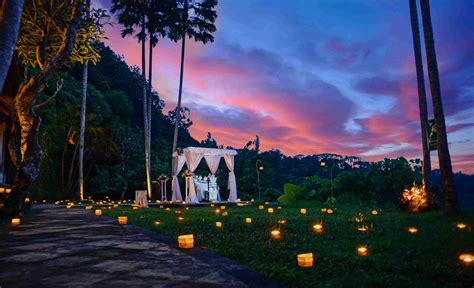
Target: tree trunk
column 447, row 177
column 145, row 109
column 178, row 107
column 150, row 69
column 29, row 122
column 10, row 16
column 421, row 94
column 82, row 130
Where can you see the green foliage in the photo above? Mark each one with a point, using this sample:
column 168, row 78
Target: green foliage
column 42, row 32
column 396, row 258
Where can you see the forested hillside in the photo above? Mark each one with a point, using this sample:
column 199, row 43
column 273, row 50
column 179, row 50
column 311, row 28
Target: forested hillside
column 114, row 159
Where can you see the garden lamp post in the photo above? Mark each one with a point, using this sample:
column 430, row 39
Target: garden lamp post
column 323, row 164
column 259, row 167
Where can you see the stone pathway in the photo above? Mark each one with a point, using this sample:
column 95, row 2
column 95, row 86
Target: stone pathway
column 57, row 247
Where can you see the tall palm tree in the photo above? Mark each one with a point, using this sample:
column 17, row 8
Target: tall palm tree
column 132, row 14
column 197, row 22
column 421, row 93
column 447, row 177
column 82, row 128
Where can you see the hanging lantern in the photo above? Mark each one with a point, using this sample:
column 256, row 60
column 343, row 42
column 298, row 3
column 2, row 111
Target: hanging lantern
column 270, row 210
column 98, row 212
column 16, row 221
column 305, row 260
column 186, row 241
column 275, row 234
column 218, row 224
column 122, row 220
column 318, row 228
column 248, row 220
column 303, row 211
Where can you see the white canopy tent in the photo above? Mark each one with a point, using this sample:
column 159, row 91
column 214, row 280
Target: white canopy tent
column 192, row 156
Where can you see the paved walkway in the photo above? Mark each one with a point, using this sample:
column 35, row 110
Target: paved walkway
column 58, row 247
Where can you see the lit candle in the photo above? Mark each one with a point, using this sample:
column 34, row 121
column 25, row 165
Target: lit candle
column 270, row 210
column 180, row 218
column 260, row 207
column 362, row 228
column 177, row 211
column 157, row 222
column 461, row 226
column 362, row 250
column 98, row 212
column 27, row 200
column 305, row 260
column 275, row 234
column 329, row 211
column 318, row 228
column 16, row 221
column 323, row 210
column 374, row 212
column 186, row 241
column 122, row 220
column 167, row 209
column 266, row 203
column 248, row 220
column 283, row 221
column 218, row 211
column 218, row 224
column 225, row 213
column 303, row 211
column 466, row 258
column 187, row 208
column 412, row 230
column 222, row 207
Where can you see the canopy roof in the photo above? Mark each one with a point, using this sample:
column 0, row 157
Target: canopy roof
column 207, row 151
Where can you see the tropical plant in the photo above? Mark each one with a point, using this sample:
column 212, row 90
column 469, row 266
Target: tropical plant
column 447, row 182
column 421, row 94
column 197, row 22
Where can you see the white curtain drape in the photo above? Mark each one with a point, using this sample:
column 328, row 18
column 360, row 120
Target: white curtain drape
column 192, row 161
column 229, row 161
column 213, row 162
column 178, row 163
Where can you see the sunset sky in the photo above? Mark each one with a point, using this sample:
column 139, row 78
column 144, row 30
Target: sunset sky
column 314, row 77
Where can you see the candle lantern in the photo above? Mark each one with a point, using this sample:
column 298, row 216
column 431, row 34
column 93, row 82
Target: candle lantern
column 16, row 221
column 329, row 211
column 466, row 258
column 412, row 230
column 270, row 210
column 362, row 228
column 276, row 234
column 180, row 218
column 461, row 226
column 374, row 212
column 186, row 241
column 225, row 213
column 157, row 222
column 323, row 210
column 318, row 228
column 303, row 211
column 218, row 224
column 167, row 209
column 217, row 211
column 222, row 207
column 260, row 207
column 248, row 220
column 362, row 250
column 98, row 212
column 122, row 220
column 305, row 260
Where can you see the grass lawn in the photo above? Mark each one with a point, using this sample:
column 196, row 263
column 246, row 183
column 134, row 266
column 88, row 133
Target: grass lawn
column 395, row 257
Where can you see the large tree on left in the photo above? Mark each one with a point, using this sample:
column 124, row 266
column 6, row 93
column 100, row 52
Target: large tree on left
column 48, row 39
column 10, row 15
